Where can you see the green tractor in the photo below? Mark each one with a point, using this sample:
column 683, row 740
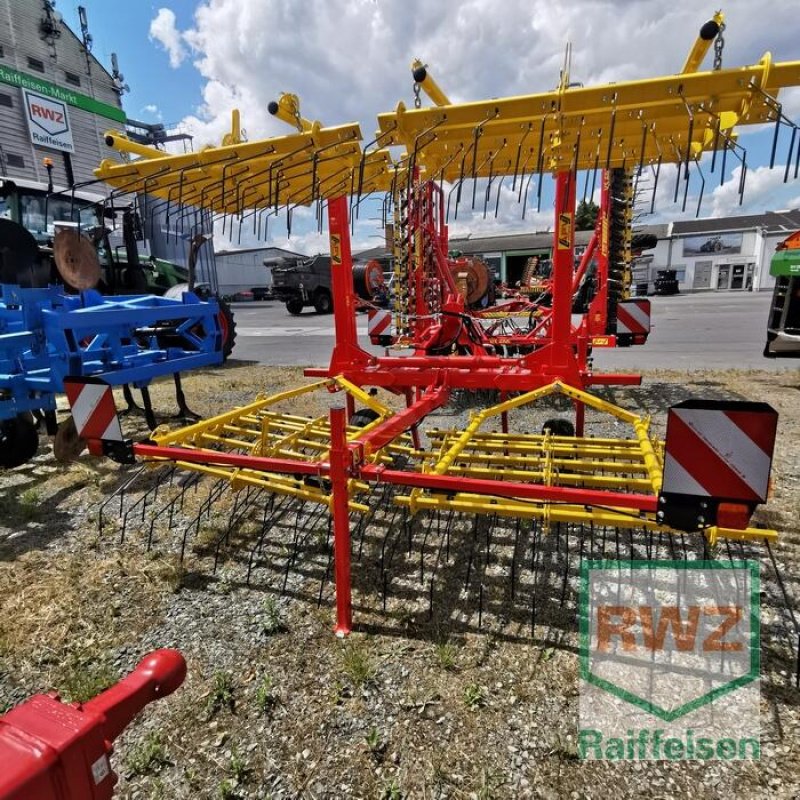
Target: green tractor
column 783, row 327
column 71, row 231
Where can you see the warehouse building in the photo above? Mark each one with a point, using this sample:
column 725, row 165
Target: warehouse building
column 56, row 98
column 713, row 254
column 243, row 270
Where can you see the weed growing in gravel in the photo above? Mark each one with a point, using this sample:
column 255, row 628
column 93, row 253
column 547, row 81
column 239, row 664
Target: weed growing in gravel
column 392, row 791
column 357, row 664
column 271, row 621
column 221, row 695
column 375, row 743
column 474, row 696
column 266, row 697
column 446, row 655
column 147, row 757
column 85, row 678
column 238, row 768
column 29, row 502
column 227, row 791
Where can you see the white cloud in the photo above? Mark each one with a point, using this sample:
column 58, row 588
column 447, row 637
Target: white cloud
column 349, row 59
column 163, row 31
column 153, row 109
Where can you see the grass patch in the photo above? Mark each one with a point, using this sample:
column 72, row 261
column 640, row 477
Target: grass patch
column 221, row 695
column 445, row 653
column 474, row 696
column 84, row 679
column 266, row 696
column 271, row 617
column 358, row 664
column 29, row 503
column 147, row 757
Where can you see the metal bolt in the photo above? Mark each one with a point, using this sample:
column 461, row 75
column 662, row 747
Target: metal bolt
column 701, row 520
column 662, row 500
column 660, row 516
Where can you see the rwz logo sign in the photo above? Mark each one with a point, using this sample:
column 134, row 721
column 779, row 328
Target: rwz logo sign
column 670, row 660
column 48, row 121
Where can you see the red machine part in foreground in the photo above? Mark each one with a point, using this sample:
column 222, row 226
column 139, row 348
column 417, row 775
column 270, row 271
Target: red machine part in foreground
column 50, row 750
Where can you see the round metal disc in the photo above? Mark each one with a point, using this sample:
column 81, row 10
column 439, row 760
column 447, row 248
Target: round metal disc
column 476, row 274
column 76, row 259
column 20, row 260
column 67, row 445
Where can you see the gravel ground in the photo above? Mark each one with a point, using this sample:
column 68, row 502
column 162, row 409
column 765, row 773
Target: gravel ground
column 473, row 695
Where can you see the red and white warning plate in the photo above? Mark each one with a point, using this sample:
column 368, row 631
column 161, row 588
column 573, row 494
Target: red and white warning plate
column 93, row 409
column 719, row 449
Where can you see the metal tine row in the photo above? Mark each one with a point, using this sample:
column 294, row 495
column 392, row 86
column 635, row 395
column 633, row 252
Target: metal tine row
column 495, row 567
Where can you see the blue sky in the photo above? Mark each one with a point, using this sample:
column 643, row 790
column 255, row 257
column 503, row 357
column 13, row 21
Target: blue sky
column 123, row 28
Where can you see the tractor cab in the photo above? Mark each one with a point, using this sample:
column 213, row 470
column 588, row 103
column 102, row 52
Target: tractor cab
column 783, row 327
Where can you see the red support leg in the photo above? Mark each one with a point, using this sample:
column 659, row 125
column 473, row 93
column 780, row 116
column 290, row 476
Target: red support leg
column 580, row 417
column 340, row 470
column 351, row 406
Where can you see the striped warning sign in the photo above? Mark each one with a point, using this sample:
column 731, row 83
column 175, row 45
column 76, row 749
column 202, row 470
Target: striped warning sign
column 633, row 316
column 721, row 450
column 93, row 408
column 378, row 322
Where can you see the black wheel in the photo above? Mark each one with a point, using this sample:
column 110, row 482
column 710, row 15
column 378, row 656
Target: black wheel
column 559, row 427
column 19, row 441
column 323, row 302
column 227, row 327
column 363, row 417
column 294, row 306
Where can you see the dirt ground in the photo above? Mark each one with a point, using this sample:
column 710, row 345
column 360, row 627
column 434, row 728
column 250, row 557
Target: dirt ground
column 460, row 679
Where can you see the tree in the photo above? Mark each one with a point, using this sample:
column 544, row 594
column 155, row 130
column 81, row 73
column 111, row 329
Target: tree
column 585, row 215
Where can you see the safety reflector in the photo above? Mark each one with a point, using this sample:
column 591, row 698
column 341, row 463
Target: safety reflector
column 93, row 409
column 378, row 322
column 633, row 317
column 716, row 452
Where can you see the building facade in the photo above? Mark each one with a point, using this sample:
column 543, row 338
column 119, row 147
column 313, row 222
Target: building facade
column 56, row 98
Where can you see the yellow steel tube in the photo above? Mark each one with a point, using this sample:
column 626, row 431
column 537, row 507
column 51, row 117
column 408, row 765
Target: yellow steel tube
column 287, row 109
column 641, row 427
column 207, row 424
column 119, row 141
column 703, row 42
column 365, row 398
column 428, row 84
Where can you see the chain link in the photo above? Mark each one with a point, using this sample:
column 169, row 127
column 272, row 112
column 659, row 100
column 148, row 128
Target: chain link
column 719, row 46
column 417, row 101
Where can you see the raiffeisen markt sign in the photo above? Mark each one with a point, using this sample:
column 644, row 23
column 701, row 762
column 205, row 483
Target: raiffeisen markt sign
column 48, row 121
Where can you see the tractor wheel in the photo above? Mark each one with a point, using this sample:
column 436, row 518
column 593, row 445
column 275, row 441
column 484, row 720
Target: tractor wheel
column 227, row 326
column 559, row 427
column 363, row 417
column 323, row 302
column 19, row 441
column 294, row 306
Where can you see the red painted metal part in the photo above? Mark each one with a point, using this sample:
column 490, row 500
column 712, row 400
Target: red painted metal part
column 53, row 751
column 339, row 475
column 511, row 489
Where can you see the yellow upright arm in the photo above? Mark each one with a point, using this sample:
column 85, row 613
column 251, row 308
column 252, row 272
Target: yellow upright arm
column 119, row 141
column 428, row 84
column 704, row 39
column 287, row 108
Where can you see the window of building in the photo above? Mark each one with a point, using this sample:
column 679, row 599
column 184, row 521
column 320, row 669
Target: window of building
column 13, row 160
column 1, row 51
column 35, row 63
column 72, row 78
column 5, row 100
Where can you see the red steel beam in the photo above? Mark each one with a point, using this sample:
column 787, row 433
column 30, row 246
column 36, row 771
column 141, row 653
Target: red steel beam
column 521, row 491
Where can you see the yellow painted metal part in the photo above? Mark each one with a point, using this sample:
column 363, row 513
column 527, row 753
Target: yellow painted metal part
column 613, row 125
column 626, row 465
column 295, row 169
column 429, row 85
column 701, row 47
